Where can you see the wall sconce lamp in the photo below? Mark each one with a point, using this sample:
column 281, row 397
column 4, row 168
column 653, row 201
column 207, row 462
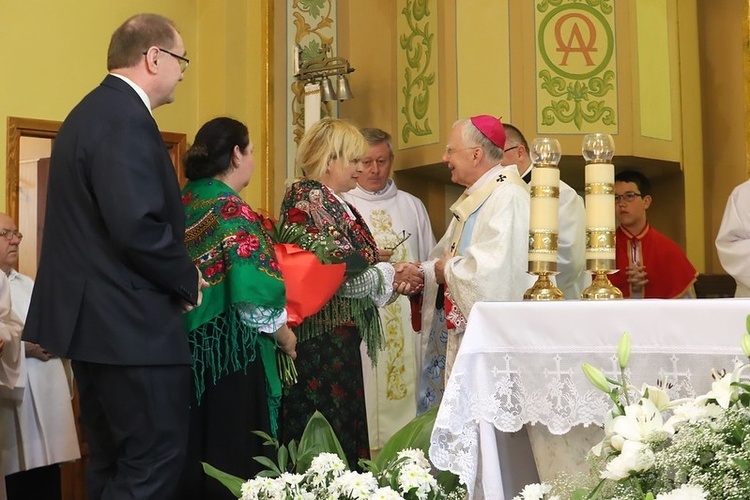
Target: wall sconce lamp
column 321, row 69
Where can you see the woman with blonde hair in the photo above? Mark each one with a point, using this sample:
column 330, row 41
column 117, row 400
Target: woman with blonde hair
column 328, row 353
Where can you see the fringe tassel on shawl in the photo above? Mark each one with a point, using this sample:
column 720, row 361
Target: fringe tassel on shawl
column 340, row 310
column 215, row 353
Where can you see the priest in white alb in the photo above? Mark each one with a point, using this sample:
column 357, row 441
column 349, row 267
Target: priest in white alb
column 401, row 227
column 733, row 239
column 12, row 376
column 483, row 255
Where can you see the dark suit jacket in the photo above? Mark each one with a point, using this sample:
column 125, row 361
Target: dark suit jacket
column 113, row 268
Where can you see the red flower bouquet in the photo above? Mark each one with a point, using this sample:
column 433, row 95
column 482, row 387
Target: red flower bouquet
column 311, row 275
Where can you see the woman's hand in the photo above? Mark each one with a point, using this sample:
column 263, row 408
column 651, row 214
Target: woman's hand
column 287, row 341
column 408, row 279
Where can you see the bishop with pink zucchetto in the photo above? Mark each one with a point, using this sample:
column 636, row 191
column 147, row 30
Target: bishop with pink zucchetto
column 484, row 253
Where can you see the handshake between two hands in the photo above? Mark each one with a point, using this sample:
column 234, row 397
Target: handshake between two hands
column 408, row 279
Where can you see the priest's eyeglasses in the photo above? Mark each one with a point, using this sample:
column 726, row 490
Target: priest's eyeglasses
column 627, row 197
column 403, row 236
column 8, row 234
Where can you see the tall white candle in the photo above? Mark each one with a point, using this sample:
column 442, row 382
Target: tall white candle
column 543, row 219
column 312, row 104
column 600, row 210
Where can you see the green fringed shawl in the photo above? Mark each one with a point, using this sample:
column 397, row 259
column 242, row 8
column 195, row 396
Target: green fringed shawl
column 225, row 239
column 326, row 214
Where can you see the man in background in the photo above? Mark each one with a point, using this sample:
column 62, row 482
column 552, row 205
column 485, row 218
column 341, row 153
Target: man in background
column 649, row 264
column 40, row 432
column 733, row 240
column 401, row 227
column 114, row 277
column 11, row 375
column 571, row 237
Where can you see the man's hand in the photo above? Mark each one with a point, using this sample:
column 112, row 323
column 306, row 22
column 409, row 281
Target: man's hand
column 187, row 306
column 440, row 268
column 287, row 341
column 636, row 275
column 384, row 255
column 36, row 351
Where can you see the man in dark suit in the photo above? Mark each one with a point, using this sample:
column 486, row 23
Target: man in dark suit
column 114, row 276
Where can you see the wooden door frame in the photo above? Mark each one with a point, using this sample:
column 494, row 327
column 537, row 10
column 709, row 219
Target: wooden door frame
column 47, row 129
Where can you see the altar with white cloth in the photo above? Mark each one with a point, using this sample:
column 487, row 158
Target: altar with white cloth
column 520, row 364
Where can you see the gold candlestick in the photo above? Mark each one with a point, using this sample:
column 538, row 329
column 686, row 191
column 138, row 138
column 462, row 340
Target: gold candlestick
column 598, row 150
column 543, row 219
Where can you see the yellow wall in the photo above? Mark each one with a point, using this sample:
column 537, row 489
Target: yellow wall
column 723, row 102
column 51, row 55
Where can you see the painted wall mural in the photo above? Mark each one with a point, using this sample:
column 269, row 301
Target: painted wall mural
column 311, row 24
column 416, row 65
column 576, row 67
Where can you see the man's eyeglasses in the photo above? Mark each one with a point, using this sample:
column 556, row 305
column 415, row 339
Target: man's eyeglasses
column 627, row 197
column 8, row 234
column 510, row 149
column 449, row 151
column 183, row 61
column 403, row 236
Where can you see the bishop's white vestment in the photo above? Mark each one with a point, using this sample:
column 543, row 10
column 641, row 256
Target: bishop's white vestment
column 391, row 386
column 488, row 237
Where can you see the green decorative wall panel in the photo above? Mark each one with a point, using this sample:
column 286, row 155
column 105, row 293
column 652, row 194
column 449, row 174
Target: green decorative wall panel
column 576, row 67
column 416, row 65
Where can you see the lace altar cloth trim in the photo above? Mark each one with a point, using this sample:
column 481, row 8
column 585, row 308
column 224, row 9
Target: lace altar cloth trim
column 511, row 389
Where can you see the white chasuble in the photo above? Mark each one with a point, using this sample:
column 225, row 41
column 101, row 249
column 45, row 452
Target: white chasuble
column 490, row 261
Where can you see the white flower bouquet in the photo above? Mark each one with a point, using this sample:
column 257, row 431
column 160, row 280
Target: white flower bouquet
column 316, row 469
column 663, row 449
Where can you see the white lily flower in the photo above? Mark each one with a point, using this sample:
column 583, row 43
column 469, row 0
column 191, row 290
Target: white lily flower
column 722, row 390
column 642, row 422
column 658, row 396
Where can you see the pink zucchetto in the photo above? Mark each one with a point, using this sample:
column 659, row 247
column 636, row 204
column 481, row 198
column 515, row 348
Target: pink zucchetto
column 491, row 128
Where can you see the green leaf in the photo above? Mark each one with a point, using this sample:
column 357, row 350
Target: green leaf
column 368, row 466
column 448, row 481
column 293, row 452
column 271, row 467
column 415, row 434
column 232, row 483
column 268, row 440
column 318, row 437
column 579, row 494
column 283, row 458
column 596, row 490
column 742, row 463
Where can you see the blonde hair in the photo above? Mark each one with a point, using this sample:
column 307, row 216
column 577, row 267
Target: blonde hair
column 328, row 139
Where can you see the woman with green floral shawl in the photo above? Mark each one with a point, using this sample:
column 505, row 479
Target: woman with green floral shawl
column 234, row 334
